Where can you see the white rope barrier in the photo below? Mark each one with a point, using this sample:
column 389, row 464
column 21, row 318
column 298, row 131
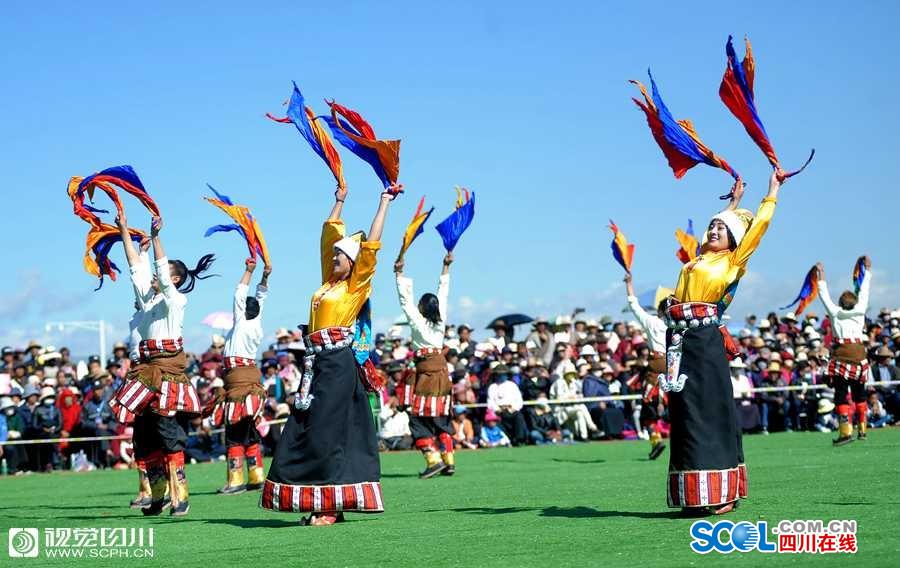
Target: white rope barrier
column 583, row 400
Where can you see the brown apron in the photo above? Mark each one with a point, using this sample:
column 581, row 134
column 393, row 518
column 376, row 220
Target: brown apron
column 163, row 366
column 241, row 381
column 431, row 377
column 853, row 353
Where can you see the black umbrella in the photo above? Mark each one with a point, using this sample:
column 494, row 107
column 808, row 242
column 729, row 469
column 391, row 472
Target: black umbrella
column 510, row 320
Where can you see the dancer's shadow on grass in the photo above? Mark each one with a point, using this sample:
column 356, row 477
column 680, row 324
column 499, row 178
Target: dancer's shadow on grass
column 398, row 475
column 857, row 503
column 564, row 512
column 591, row 513
column 562, row 460
column 294, row 522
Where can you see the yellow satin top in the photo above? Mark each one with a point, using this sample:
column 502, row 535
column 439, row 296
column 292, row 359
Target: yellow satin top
column 339, row 302
column 706, row 278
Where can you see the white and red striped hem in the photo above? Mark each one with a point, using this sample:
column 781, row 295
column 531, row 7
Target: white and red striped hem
column 135, row 397
column 426, row 351
column 150, row 347
column 849, row 371
column 429, row 406
column 364, row 497
column 233, row 361
column 232, row 412
column 706, row 488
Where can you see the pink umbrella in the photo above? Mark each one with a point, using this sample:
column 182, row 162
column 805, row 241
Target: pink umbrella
column 219, row 320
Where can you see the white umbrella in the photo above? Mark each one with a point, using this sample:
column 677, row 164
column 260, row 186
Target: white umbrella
column 219, row 320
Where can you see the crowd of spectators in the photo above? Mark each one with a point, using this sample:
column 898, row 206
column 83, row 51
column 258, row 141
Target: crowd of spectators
column 507, row 391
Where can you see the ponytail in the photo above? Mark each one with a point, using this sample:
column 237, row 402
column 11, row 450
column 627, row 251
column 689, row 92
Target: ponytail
column 190, row 277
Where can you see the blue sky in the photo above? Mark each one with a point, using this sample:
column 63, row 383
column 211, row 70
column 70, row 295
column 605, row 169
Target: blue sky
column 526, row 104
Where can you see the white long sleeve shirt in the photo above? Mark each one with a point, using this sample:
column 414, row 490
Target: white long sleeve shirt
column 504, row 394
column 654, row 327
column 848, row 324
column 136, row 321
column 163, row 312
column 423, row 332
column 246, row 335
column 564, row 390
column 134, row 337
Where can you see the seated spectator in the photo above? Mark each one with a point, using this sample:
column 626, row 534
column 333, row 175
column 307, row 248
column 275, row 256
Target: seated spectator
column 394, row 433
column 884, row 370
column 747, row 411
column 877, row 415
column 575, row 417
column 609, row 418
column 11, row 428
column 463, row 431
column 492, row 436
column 504, row 397
column 202, row 445
column 46, row 422
column 536, row 380
column 543, row 428
column 97, row 420
column 463, row 393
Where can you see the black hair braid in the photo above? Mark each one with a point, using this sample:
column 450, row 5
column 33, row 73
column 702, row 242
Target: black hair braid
column 430, row 308
column 189, row 277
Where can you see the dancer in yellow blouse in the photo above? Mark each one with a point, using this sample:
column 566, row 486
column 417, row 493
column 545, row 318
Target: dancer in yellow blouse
column 327, row 459
column 706, row 463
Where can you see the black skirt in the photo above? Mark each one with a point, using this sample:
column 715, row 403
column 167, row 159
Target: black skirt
column 706, row 459
column 327, row 458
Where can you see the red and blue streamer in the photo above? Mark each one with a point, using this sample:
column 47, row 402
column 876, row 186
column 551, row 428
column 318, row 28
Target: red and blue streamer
column 102, row 236
column 678, row 140
column 859, row 272
column 622, row 251
column 99, row 242
column 808, row 292
column 245, row 225
column 302, row 117
column 453, row 227
column 415, row 227
column 736, row 91
column 358, row 136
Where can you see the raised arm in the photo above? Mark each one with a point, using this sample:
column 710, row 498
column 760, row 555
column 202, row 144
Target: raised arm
column 378, row 222
column 340, row 195
column 405, row 295
column 155, row 227
column 332, row 231
column 262, row 289
column 131, row 254
column 443, row 293
column 830, row 308
column 635, row 306
column 862, row 303
column 141, row 280
column 760, row 223
column 164, row 277
column 737, row 192
column 240, row 292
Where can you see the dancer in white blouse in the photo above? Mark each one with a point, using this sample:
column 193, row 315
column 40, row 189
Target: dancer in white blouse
column 427, row 388
column 157, row 389
column 848, row 366
column 654, row 401
column 244, row 394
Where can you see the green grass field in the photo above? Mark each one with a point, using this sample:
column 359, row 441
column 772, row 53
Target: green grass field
column 583, row 505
